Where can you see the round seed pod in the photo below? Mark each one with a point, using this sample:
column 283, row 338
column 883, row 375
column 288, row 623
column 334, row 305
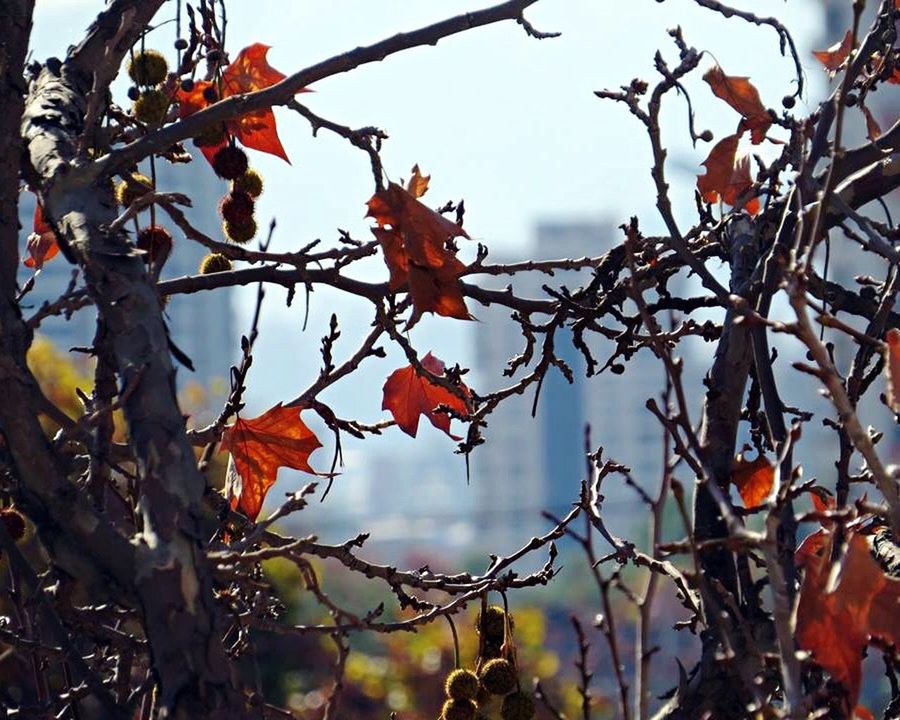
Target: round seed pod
column 14, row 522
column 458, row 710
column 148, row 67
column 250, row 182
column 213, row 263
column 133, row 93
column 151, row 107
column 211, row 136
column 240, row 233
column 461, row 684
column 156, row 241
column 181, row 44
column 210, row 94
column 517, row 706
column 230, row 162
column 498, row 677
column 237, row 207
column 127, row 193
column 187, row 84
column 483, row 697
column 493, row 623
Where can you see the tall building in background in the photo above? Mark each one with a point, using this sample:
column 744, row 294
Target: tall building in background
column 202, row 325
column 531, row 464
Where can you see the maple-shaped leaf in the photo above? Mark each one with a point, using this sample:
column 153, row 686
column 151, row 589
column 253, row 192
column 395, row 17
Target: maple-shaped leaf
column 414, row 240
column 41, row 243
column 258, row 447
column 740, row 93
column 892, row 368
column 250, row 71
column 754, row 479
column 837, row 616
column 835, row 56
column 407, row 395
column 727, row 175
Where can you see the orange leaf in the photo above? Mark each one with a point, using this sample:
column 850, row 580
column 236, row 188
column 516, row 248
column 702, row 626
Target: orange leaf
column 754, row 479
column 740, row 93
column 418, row 183
column 41, row 243
column 407, row 395
column 873, row 129
column 727, row 175
column 892, row 369
column 837, row 54
column 414, row 237
column 837, row 618
column 258, row 447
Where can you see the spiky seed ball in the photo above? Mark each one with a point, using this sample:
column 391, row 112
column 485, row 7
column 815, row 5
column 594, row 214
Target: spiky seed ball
column 250, row 182
column 151, row 107
column 148, row 68
column 211, row 136
column 14, row 522
column 498, row 676
column 156, row 241
column 237, row 207
column 240, row 233
column 517, row 706
column 461, row 684
column 127, row 193
column 230, row 162
column 493, row 623
column 213, row 263
column 458, row 710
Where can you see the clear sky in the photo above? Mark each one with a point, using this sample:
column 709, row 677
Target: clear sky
column 505, row 121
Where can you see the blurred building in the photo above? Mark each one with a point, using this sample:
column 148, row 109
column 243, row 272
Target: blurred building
column 201, row 325
column 530, row 464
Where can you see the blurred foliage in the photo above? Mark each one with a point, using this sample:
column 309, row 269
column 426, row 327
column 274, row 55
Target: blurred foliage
column 404, row 672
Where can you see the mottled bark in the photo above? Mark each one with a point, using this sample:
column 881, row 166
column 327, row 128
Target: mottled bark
column 169, row 576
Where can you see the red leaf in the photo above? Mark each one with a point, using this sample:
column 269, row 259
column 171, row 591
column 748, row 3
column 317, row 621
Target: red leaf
column 835, row 56
column 249, row 72
column 754, row 479
column 41, row 243
column 837, row 618
column 413, row 237
column 258, row 447
column 740, row 93
column 407, row 395
column 892, row 369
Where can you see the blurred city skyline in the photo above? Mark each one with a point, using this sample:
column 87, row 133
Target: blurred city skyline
column 505, row 121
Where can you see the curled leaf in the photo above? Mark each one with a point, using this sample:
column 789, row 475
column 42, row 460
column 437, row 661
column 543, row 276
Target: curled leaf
column 414, row 240
column 835, row 56
column 408, row 395
column 741, row 94
column 41, row 243
column 727, row 175
column 838, row 613
column 258, row 447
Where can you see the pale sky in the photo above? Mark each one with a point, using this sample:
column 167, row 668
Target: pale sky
column 505, row 121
